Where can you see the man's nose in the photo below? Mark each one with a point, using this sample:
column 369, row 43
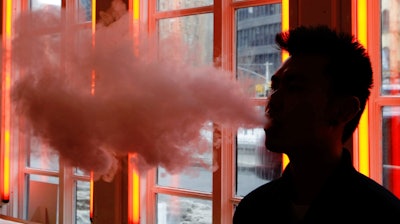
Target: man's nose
column 273, row 100
column 274, row 95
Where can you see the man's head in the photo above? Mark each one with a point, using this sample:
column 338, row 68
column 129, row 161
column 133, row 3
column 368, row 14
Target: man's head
column 324, row 84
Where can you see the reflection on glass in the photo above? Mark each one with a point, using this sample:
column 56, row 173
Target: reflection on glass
column 109, row 12
column 164, row 5
column 82, row 197
column 81, row 172
column 193, row 178
column 42, row 198
column 391, row 148
column 42, row 4
column 390, row 47
column 197, row 33
column 197, row 176
column 254, row 164
column 174, row 209
column 41, row 156
column 85, row 10
column 256, row 57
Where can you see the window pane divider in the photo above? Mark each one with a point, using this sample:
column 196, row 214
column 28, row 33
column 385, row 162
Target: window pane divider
column 249, row 3
column 29, row 170
column 388, row 100
column 183, row 12
column 182, row 192
column 81, row 178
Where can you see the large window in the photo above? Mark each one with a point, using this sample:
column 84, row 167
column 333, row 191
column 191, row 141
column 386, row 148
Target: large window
column 383, row 45
column 48, row 190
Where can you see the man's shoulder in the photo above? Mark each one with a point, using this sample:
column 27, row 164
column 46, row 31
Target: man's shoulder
column 265, row 190
column 364, row 184
column 264, row 195
column 349, row 183
column 366, row 192
column 373, row 188
column 262, row 204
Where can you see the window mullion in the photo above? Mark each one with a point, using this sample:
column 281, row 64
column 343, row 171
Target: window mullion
column 222, row 177
column 375, row 117
column 66, row 190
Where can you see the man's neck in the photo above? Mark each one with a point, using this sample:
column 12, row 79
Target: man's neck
column 310, row 173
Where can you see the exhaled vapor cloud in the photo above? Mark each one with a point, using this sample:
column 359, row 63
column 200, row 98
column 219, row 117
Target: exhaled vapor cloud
column 94, row 102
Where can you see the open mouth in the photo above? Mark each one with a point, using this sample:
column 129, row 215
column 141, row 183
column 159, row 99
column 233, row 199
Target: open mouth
column 271, row 115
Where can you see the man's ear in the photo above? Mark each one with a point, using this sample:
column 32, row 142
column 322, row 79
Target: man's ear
column 345, row 109
column 350, row 108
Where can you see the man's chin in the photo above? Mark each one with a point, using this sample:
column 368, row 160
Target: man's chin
column 274, row 140
column 274, row 147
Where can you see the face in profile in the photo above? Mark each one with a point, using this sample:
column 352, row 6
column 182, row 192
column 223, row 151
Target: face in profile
column 297, row 106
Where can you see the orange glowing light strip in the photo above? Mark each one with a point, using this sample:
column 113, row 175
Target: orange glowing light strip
column 133, row 172
column 136, row 10
column 93, row 20
column 7, row 20
column 6, row 178
column 91, row 197
column 92, row 89
column 133, row 191
column 135, row 25
column 93, row 84
column 363, row 129
column 93, row 80
column 285, row 23
column 285, row 54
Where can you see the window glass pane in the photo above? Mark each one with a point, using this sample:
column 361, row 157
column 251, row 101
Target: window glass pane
column 41, row 156
column 257, row 57
column 196, row 32
column 164, row 5
column 391, row 148
column 41, row 4
column 174, row 209
column 110, row 11
column 195, row 177
column 85, row 10
column 254, row 164
column 80, row 172
column 82, row 197
column 390, row 18
column 42, row 196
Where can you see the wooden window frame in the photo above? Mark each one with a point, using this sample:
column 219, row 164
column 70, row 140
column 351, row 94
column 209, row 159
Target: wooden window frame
column 377, row 101
column 223, row 189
